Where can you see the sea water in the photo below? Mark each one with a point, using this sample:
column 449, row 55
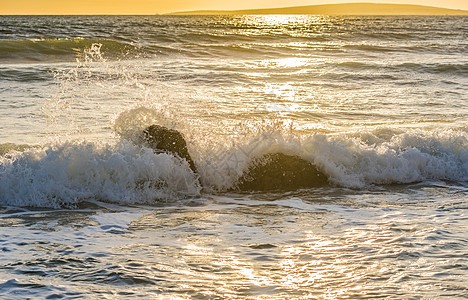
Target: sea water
column 378, row 104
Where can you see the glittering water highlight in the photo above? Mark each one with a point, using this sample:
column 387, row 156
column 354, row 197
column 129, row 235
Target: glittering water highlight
column 375, row 103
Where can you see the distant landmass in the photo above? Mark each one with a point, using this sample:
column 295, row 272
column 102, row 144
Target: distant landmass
column 337, row 9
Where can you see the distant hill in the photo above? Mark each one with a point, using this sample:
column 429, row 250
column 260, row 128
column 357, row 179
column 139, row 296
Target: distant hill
column 337, row 9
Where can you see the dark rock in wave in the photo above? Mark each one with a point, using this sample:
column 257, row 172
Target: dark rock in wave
column 163, row 139
column 273, row 171
column 278, row 171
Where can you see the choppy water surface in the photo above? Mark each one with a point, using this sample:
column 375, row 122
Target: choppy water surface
column 378, row 104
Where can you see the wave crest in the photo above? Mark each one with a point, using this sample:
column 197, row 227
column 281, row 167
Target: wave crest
column 65, row 174
column 58, row 49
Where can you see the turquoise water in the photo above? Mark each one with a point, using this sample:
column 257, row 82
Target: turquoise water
column 375, row 103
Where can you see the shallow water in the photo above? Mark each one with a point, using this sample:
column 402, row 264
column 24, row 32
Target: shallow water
column 402, row 242
column 376, row 103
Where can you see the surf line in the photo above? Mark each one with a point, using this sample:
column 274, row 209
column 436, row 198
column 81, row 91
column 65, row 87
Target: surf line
column 272, row 171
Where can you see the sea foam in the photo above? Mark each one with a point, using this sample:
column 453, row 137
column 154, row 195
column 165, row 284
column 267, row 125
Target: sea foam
column 415, row 155
column 353, row 160
column 65, row 174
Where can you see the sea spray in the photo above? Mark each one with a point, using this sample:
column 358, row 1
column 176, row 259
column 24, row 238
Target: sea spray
column 376, row 103
column 60, row 49
column 232, row 112
column 95, row 85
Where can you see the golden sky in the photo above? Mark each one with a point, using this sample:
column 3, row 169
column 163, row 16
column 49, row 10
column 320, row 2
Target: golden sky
column 165, row 6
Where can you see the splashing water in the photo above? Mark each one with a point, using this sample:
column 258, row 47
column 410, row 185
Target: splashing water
column 376, row 104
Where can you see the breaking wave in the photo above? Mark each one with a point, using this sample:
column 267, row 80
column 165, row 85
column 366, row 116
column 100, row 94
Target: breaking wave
column 65, row 174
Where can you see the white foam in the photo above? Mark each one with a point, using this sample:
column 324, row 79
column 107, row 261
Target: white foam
column 64, row 174
column 357, row 160
column 415, row 155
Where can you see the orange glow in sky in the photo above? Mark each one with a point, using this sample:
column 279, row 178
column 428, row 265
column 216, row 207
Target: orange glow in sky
column 150, row 7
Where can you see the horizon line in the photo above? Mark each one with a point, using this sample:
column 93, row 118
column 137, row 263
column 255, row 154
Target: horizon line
column 247, row 11
column 233, row 11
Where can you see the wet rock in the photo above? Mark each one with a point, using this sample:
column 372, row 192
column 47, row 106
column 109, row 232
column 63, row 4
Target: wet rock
column 270, row 172
column 163, row 139
column 279, row 171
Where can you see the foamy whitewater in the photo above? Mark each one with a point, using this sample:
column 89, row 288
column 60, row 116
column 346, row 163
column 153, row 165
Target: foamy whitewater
column 378, row 104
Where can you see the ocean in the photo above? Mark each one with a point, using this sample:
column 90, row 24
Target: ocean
column 377, row 104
